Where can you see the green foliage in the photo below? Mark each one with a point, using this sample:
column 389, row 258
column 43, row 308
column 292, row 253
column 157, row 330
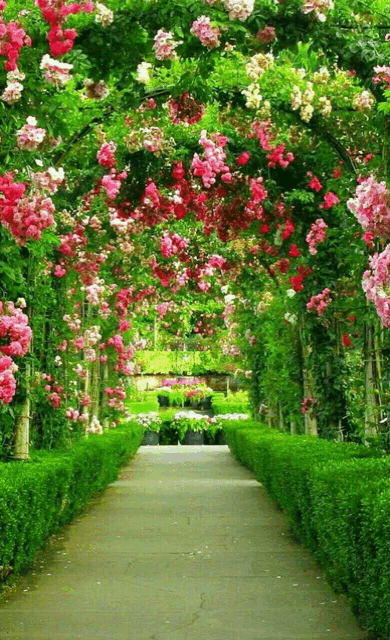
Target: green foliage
column 39, row 496
column 233, row 403
column 337, row 499
column 184, row 362
column 142, row 407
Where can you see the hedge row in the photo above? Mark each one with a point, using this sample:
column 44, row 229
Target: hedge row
column 337, row 498
column 39, row 496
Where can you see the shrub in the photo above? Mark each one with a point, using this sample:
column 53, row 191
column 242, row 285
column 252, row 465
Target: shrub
column 337, row 499
column 39, row 496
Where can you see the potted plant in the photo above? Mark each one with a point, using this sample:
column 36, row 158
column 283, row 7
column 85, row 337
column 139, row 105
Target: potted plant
column 220, row 436
column 163, row 396
column 190, row 427
column 151, row 423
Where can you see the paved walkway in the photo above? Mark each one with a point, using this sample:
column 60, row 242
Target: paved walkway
column 185, row 546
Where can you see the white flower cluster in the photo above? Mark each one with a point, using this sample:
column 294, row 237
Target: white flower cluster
column 95, row 427
column 189, row 415
column 13, row 91
column 147, row 420
column 104, row 16
column 232, row 416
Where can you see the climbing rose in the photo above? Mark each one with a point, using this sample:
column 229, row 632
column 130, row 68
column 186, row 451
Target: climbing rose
column 376, row 284
column 371, row 207
column 319, row 302
column 346, row 340
column 239, row 9
column 106, row 155
column 30, row 136
column 316, row 235
column 55, row 72
column 208, row 35
column 165, row 45
column 330, row 199
column 243, row 158
column 320, row 8
column 266, row 35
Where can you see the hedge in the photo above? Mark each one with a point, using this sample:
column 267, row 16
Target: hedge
column 143, row 407
column 337, row 499
column 185, row 362
column 38, row 496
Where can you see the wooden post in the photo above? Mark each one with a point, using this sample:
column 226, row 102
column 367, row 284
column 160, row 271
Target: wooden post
column 311, row 427
column 22, row 428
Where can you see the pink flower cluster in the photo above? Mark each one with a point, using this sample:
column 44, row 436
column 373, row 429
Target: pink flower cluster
column 266, row 35
column 55, row 72
column 319, row 302
column 382, row 76
column 371, row 206
column 30, row 136
column 316, row 235
column 239, row 9
column 376, row 284
column 116, row 396
column 12, row 39
column 112, row 183
column 32, row 215
column 14, row 330
column 208, row 35
column 75, row 416
column 7, row 380
column 330, row 199
column 307, row 404
column 48, row 181
column 214, row 162
column 320, row 8
column 55, row 12
column 25, row 217
column 173, row 244
column 165, row 45
column 277, row 156
column 124, row 354
column 106, row 155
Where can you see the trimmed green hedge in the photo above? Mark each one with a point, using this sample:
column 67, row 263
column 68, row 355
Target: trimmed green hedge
column 337, row 499
column 185, row 362
column 39, row 496
column 232, row 403
column 143, row 407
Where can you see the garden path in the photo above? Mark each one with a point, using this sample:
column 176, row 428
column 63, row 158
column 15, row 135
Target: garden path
column 186, row 545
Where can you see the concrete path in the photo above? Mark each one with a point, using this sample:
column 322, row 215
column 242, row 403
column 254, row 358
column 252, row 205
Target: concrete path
column 185, row 546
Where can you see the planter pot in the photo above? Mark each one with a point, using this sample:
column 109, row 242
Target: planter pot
column 163, row 401
column 194, row 437
column 206, row 403
column 221, row 438
column 151, row 438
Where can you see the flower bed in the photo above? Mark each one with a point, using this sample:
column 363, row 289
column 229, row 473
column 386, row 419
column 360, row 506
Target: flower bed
column 182, row 392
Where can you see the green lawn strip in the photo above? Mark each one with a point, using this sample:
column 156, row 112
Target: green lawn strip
column 38, row 496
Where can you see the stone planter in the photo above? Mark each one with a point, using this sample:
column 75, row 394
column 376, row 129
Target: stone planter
column 194, row 437
column 205, row 404
column 151, row 438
